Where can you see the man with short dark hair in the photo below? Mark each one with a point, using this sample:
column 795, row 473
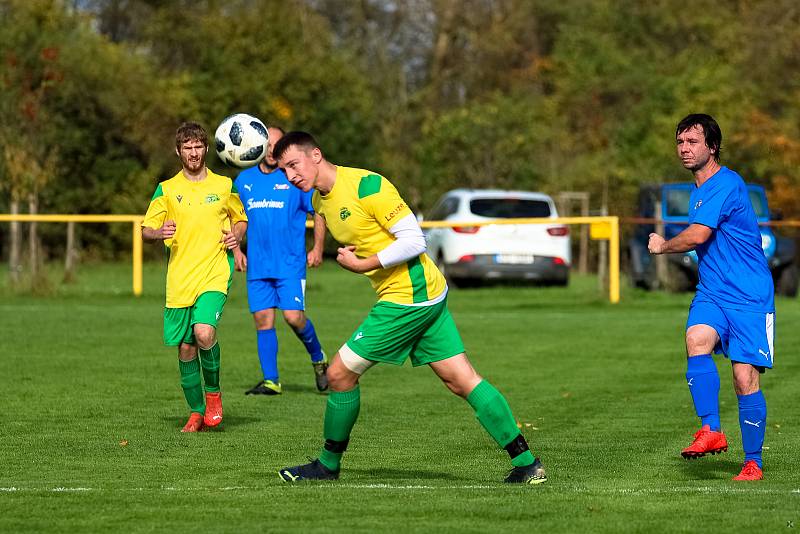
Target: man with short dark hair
column 382, row 240
column 733, row 311
column 198, row 216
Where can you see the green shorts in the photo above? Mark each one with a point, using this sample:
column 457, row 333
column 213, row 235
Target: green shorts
column 178, row 322
column 393, row 332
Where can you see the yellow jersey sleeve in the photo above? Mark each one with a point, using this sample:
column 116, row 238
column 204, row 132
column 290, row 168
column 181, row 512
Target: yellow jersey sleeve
column 380, row 199
column 156, row 211
column 235, row 207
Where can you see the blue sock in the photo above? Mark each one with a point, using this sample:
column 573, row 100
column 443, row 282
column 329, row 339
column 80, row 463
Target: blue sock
column 309, row 338
column 703, row 380
column 753, row 421
column 268, row 353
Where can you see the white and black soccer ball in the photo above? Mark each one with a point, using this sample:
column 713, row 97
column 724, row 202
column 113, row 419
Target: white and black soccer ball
column 241, row 140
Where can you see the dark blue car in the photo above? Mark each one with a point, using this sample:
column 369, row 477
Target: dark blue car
column 681, row 269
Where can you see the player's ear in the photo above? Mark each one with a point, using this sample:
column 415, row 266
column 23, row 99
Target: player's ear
column 316, row 155
column 177, row 152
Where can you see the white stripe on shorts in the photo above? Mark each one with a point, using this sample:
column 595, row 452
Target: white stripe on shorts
column 771, row 336
column 353, row 361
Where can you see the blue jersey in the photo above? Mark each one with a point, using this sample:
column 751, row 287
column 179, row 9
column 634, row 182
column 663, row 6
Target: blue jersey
column 732, row 268
column 276, row 228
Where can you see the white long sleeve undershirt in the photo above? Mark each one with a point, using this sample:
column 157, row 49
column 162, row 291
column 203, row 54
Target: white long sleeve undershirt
column 410, row 242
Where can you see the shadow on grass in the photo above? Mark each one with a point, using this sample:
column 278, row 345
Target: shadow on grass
column 711, row 468
column 228, row 422
column 285, row 389
column 299, row 388
column 384, row 474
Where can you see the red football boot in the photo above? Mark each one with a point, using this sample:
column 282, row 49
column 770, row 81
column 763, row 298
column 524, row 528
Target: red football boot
column 750, row 471
column 213, row 409
column 705, row 442
column 194, row 424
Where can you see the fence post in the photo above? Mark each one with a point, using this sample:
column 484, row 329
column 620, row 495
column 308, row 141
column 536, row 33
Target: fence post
column 613, row 261
column 662, row 274
column 137, row 258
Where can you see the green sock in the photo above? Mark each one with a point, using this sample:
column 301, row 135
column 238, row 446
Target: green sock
column 210, row 361
column 340, row 416
column 495, row 416
column 191, row 384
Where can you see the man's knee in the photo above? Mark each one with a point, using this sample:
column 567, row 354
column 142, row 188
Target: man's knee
column 205, row 335
column 463, row 385
column 296, row 319
column 700, row 340
column 746, row 378
column 264, row 319
column 340, row 378
column 187, row 352
column 457, row 374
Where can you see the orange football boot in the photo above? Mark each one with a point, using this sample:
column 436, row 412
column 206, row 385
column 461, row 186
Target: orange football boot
column 194, row 424
column 213, row 409
column 750, row 471
column 705, row 442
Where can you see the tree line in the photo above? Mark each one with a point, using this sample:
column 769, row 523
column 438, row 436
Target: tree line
column 576, row 95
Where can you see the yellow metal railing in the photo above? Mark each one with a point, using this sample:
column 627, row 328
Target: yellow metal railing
column 135, row 220
column 603, row 228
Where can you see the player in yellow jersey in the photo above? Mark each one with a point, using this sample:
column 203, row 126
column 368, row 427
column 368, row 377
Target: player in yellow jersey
column 381, row 239
column 200, row 219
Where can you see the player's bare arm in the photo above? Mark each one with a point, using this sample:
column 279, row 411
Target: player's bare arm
column 347, row 258
column 691, row 237
column 239, row 260
column 314, row 257
column 166, row 231
column 233, row 238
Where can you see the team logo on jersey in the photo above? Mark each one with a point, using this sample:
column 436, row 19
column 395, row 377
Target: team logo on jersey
column 213, row 197
column 699, row 203
column 248, row 186
column 344, row 213
column 280, row 187
column 264, row 203
column 179, row 197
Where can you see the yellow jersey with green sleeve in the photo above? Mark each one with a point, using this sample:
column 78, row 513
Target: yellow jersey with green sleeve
column 359, row 210
column 198, row 260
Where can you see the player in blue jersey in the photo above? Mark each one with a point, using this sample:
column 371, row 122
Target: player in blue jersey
column 733, row 311
column 275, row 263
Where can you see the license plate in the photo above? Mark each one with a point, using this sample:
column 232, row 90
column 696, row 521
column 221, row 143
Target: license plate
column 516, row 259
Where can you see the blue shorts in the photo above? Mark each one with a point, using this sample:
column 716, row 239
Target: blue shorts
column 283, row 293
column 744, row 336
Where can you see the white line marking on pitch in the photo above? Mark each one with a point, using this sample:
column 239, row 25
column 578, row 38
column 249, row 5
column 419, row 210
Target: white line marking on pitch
column 562, row 489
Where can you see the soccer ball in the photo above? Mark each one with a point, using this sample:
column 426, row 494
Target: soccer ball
column 241, row 140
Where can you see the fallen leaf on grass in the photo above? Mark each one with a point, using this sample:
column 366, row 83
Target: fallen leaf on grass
column 123, row 443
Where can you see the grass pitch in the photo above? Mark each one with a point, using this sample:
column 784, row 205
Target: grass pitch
column 93, row 408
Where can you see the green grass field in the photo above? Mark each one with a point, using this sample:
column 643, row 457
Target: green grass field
column 93, row 407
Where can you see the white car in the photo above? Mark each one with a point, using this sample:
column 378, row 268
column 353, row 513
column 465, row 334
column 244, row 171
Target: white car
column 467, row 254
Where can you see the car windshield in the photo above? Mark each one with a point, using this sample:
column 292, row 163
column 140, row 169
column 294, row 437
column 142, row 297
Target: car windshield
column 759, row 206
column 678, row 202
column 509, row 208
